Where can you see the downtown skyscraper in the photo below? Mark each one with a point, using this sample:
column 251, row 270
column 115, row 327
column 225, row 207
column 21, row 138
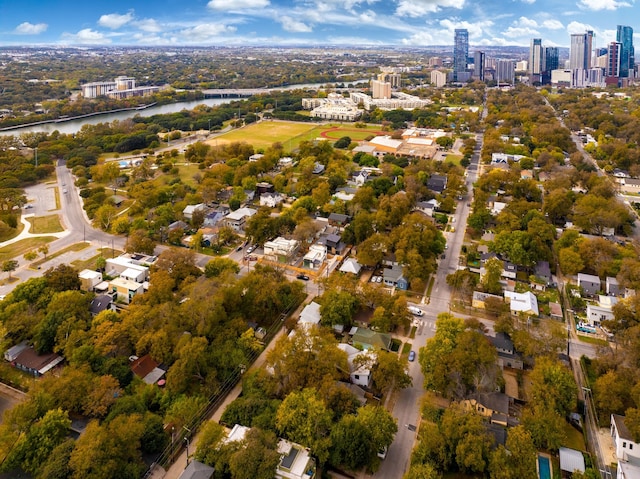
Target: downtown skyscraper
column 581, row 51
column 624, row 37
column 460, row 54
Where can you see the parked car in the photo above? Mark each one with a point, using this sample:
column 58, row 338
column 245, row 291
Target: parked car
column 303, row 277
column 374, row 279
column 379, row 279
column 412, row 356
column 251, row 258
column 250, row 249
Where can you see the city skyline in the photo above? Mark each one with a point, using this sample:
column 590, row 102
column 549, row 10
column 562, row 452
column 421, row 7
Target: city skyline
column 417, row 23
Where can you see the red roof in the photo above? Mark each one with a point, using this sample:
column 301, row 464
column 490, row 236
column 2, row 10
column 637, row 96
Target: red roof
column 143, row 366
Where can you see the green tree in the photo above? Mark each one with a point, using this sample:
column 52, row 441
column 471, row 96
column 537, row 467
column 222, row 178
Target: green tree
column 258, row 457
column 422, row 471
column 9, row 265
column 493, row 273
column 338, row 307
column 217, row 266
column 570, row 261
column 303, row 418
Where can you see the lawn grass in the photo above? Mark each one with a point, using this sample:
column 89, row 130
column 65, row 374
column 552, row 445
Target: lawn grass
column 73, row 247
column 291, row 134
column 455, row 159
column 592, row 340
column 187, row 171
column 90, row 263
column 21, row 247
column 574, row 438
column 45, row 224
column 412, row 334
column 10, row 233
column 406, row 348
column 264, row 134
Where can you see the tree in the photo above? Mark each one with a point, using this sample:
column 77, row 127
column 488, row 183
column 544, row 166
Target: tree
column 519, row 461
column 140, row 242
column 343, row 142
column 493, row 273
column 105, row 215
column 303, row 418
column 390, row 372
column 179, row 263
column 257, row 458
column 210, row 438
column 570, row 261
column 30, row 255
column 422, row 471
column 62, row 278
column 44, row 249
column 217, row 266
column 9, row 265
column 338, row 307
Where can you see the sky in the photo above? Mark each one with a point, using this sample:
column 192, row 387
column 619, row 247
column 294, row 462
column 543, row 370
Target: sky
column 409, row 23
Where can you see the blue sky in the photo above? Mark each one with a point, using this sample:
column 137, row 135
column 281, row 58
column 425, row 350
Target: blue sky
column 309, row 22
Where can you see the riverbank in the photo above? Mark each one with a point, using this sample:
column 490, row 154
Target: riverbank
column 78, row 117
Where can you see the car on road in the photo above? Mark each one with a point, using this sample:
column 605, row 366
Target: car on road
column 251, row 258
column 64, row 191
column 412, row 356
column 250, row 249
column 303, row 277
column 28, row 206
column 415, row 311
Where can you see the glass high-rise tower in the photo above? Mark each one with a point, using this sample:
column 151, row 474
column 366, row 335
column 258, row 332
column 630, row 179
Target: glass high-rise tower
column 460, row 52
column 624, row 37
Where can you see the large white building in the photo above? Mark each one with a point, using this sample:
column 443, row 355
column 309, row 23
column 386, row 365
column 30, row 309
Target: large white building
column 438, row 78
column 334, row 107
column 121, row 87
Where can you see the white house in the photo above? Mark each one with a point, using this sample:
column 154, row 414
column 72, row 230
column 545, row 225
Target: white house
column 602, row 311
column 89, row 279
column 281, row 249
column 138, row 262
column 271, row 199
column 310, row 315
column 295, row 461
column 359, row 374
column 315, row 256
column 627, row 450
column 350, row 265
column 237, row 219
column 188, row 210
column 526, row 303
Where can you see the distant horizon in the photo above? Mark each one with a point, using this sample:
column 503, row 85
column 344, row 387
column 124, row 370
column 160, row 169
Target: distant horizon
column 298, row 23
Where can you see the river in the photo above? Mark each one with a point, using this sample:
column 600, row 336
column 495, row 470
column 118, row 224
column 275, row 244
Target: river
column 73, row 126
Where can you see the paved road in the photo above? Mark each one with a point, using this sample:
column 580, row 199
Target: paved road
column 407, row 407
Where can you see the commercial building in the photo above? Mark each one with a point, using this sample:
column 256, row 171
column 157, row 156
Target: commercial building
column 438, row 78
column 581, row 50
column 624, row 36
column 380, row 89
column 460, row 53
column 535, row 57
column 505, row 71
column 121, row 87
column 478, row 65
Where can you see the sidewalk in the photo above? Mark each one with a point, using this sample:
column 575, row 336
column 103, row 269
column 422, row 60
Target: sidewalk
column 26, row 232
column 179, row 465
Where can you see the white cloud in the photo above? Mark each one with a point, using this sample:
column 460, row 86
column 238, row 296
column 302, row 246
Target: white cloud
column 530, row 2
column 27, row 28
column 526, row 22
column 235, row 5
column 86, row 36
column 368, row 17
column 577, row 27
column 518, row 32
column 419, row 8
column 205, row 32
column 295, row 26
column 115, row 20
column 552, row 25
column 476, row 30
column 331, row 5
column 597, row 5
column 148, row 25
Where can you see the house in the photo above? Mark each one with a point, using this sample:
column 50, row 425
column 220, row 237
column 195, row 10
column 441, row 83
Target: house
column 237, row 219
column 100, row 303
column 626, row 448
column 570, row 461
column 350, row 265
column 427, row 207
column 146, row 369
column 314, row 258
column 630, row 185
column 178, row 225
column 189, row 210
column 602, row 311
column 310, row 315
column 213, row 219
column 359, row 374
column 479, row 298
column 612, row 287
column 271, row 200
column 497, row 207
column 437, row 183
column 255, row 157
column 89, row 279
column 504, row 159
column 393, row 277
column 337, row 219
column 370, row 339
column 494, row 406
column 360, row 178
column 285, row 162
column 526, row 303
column 589, row 283
column 263, row 187
column 117, row 200
column 555, row 311
column 318, row 168
column 281, row 249
column 526, row 175
column 509, row 270
column 508, row 357
column 197, row 470
column 36, row 364
column 125, row 289
column 333, row 242
column 543, row 272
column 296, row 462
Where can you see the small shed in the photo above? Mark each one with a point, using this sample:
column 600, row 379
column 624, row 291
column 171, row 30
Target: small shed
column 570, row 461
column 197, row 470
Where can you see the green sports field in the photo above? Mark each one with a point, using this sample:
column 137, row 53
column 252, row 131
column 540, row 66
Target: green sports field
column 290, row 134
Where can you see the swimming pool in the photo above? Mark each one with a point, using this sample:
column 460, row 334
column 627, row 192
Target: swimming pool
column 544, row 467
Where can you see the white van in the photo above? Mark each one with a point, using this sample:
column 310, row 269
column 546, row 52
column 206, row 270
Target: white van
column 415, row 311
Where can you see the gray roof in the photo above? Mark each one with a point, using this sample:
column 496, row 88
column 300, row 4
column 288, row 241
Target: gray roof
column 571, row 460
column 197, row 470
column 623, row 432
column 497, row 402
column 502, row 341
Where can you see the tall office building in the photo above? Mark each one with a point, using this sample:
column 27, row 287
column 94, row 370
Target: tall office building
column 613, row 60
column 478, row 65
column 624, row 37
column 505, row 71
column 380, row 89
column 460, row 53
column 535, row 56
column 581, row 51
column 551, row 59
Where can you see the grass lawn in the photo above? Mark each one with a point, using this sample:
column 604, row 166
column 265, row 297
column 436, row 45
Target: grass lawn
column 73, row 247
column 406, row 348
column 592, row 340
column 21, row 247
column 290, row 134
column 9, row 233
column 91, row 262
column 575, row 439
column 265, row 133
column 186, row 173
column 45, row 224
column 455, row 159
